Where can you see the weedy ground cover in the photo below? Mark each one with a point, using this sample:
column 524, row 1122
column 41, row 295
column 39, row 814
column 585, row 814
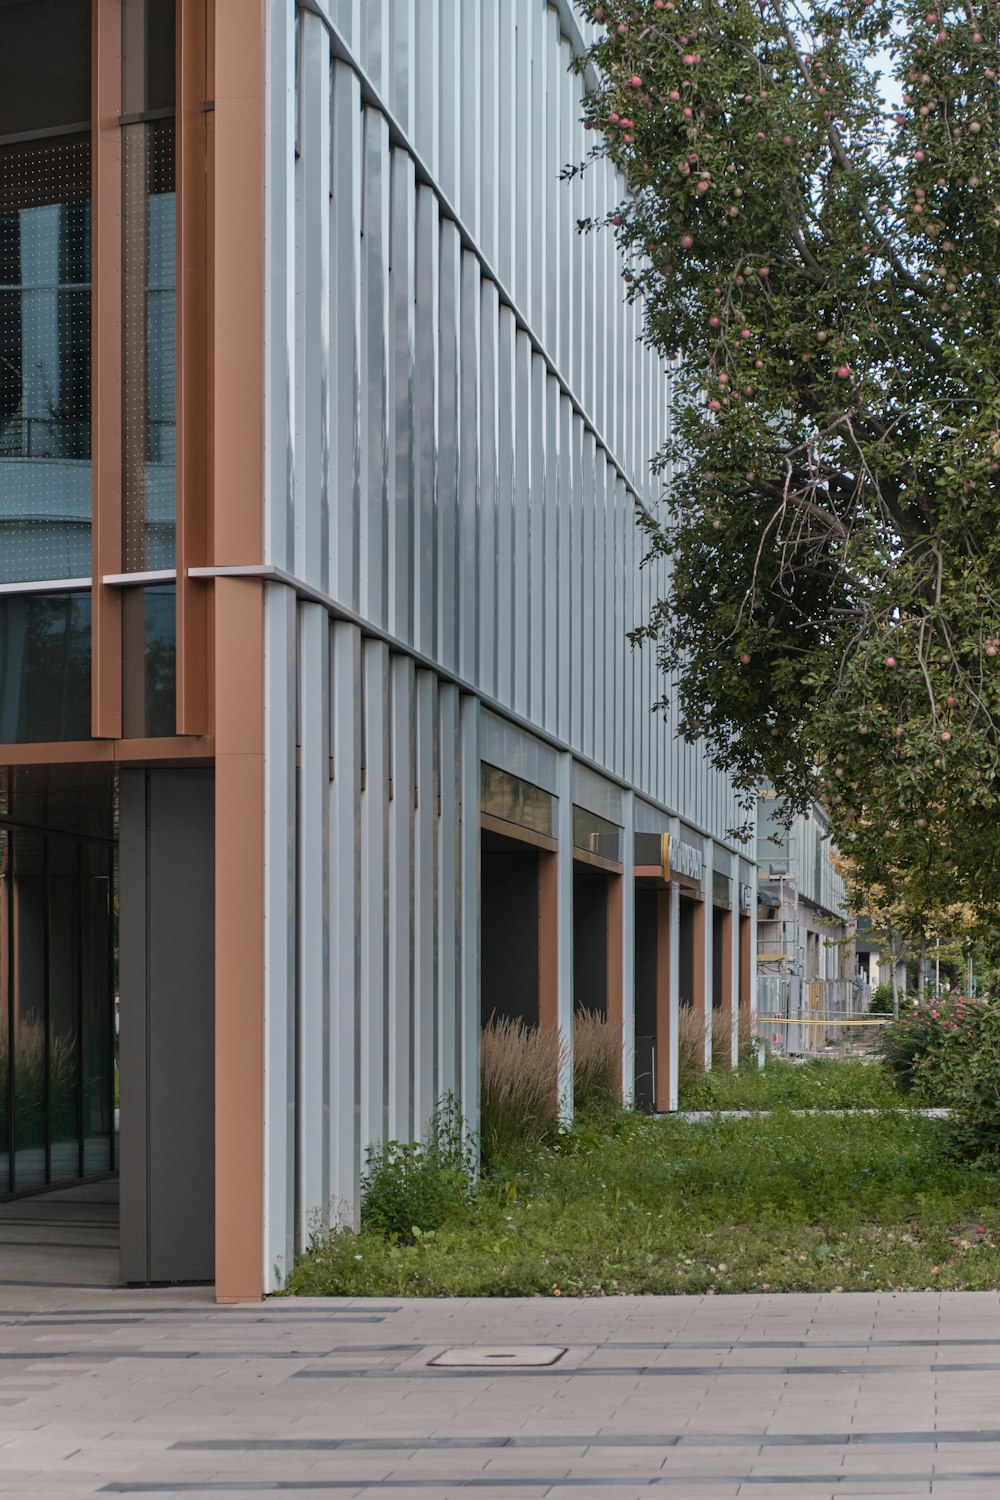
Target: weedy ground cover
column 849, row 1083
column 630, row 1204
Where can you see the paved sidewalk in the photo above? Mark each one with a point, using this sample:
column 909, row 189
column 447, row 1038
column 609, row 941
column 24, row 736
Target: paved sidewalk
column 161, row 1393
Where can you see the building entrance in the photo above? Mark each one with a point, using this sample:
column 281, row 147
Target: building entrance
column 107, row 895
column 57, row 980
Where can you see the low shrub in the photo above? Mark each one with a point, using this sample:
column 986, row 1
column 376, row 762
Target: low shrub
column 519, row 1069
column 920, row 1030
column 960, row 1071
column 881, row 1001
column 410, row 1189
column 597, row 1063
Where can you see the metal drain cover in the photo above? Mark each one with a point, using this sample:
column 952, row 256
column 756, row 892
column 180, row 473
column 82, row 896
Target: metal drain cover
column 500, row 1356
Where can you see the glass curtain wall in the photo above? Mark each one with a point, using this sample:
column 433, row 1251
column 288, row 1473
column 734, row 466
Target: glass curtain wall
column 56, row 1008
column 45, row 361
column 45, row 290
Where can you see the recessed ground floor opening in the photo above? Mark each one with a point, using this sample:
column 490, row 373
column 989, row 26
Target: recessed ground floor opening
column 723, row 1017
column 690, row 917
column 647, row 981
column 591, row 914
column 510, row 930
column 651, row 1052
column 106, row 1024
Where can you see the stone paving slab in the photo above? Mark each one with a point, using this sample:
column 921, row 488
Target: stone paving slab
column 112, row 1392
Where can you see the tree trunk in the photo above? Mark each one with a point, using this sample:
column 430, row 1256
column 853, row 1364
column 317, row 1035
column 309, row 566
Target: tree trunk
column 922, row 971
column 894, row 976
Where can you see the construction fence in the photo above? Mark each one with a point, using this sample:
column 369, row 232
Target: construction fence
column 809, row 1018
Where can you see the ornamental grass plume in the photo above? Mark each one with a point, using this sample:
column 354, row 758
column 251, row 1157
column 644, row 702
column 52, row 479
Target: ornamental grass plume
column 746, row 1032
column 519, row 1070
column 722, row 1039
column 690, row 1042
column 597, row 1062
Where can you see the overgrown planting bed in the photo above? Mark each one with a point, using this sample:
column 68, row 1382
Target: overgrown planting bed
column 781, row 1202
column 820, row 1084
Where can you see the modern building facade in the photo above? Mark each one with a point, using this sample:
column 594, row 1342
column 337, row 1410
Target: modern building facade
column 324, row 438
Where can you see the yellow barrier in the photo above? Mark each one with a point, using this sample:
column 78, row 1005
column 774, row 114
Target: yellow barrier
column 805, row 1021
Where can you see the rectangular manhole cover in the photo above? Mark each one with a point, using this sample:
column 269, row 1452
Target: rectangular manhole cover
column 500, row 1356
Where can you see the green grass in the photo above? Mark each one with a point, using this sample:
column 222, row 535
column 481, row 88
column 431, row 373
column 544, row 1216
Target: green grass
column 775, row 1203
column 846, row 1083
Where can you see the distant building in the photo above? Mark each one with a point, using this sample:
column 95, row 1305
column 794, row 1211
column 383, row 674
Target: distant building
column 873, row 956
column 805, row 926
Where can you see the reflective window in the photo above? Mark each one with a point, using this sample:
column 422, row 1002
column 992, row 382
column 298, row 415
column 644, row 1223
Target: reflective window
column 29, row 1041
column 502, row 795
column 44, row 65
column 44, row 667
column 150, row 636
column 56, row 1008
column 78, row 799
column 596, row 835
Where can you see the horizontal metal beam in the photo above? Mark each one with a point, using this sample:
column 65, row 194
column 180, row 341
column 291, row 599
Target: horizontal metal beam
column 268, row 573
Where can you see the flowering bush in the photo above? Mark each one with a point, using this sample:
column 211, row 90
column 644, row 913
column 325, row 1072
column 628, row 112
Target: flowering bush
column 908, row 1045
column 948, row 1052
column 962, row 1073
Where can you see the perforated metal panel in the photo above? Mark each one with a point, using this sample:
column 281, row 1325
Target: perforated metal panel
column 149, row 346
column 45, row 361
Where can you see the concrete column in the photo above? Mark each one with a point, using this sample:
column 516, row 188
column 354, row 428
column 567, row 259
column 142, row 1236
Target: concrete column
column 666, row 1017
column 674, row 989
column 702, row 973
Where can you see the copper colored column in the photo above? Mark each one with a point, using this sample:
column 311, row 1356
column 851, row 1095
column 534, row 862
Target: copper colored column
column 616, row 960
column 236, row 456
column 106, row 371
column 726, row 918
column 238, row 283
column 661, row 1081
column 548, row 951
column 746, row 1001
column 700, row 1001
column 192, row 366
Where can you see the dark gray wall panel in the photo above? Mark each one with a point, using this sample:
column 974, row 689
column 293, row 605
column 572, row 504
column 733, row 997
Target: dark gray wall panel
column 168, row 1049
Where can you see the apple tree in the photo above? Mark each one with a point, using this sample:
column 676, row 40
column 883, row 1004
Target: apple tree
column 812, row 224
